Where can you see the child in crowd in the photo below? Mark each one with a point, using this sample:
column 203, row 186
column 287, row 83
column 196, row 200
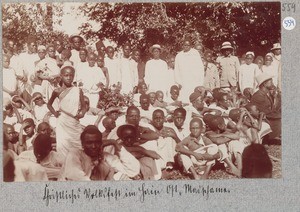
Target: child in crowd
column 205, row 94
column 259, row 61
column 128, row 135
column 248, row 93
column 10, row 140
column 197, row 150
column 109, row 124
column 112, row 64
column 39, row 106
column 159, row 102
column 11, row 115
column 259, row 123
column 223, row 103
column 45, row 129
column 142, row 89
column 173, row 99
column 26, row 141
column 93, row 116
column 22, row 106
column 71, row 109
column 178, row 123
column 65, row 57
column 152, row 97
column 146, row 108
column 198, row 109
column 247, row 135
column 219, row 136
column 46, row 157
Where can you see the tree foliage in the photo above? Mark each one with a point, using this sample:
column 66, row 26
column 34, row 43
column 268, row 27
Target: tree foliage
column 21, row 20
column 249, row 26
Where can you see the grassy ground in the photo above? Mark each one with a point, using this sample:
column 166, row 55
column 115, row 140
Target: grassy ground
column 219, row 172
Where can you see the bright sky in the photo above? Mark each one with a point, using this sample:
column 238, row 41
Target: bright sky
column 72, row 20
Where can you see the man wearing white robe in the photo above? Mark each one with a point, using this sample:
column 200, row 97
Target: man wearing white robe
column 248, row 72
column 112, row 65
column 156, row 71
column 189, row 70
column 26, row 67
column 128, row 74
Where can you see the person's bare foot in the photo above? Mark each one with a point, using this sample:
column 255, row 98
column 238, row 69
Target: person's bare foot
column 197, row 177
column 235, row 171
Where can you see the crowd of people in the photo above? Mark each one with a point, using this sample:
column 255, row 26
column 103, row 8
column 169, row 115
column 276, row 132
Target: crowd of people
column 188, row 111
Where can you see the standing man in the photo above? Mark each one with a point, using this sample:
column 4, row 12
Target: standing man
column 156, row 71
column 230, row 66
column 26, row 67
column 189, row 70
column 112, row 65
column 137, row 61
column 129, row 76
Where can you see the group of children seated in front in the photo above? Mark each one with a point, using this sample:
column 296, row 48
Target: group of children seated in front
column 216, row 127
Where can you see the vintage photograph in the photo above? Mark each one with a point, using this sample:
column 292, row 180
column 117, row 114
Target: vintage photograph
column 141, row 91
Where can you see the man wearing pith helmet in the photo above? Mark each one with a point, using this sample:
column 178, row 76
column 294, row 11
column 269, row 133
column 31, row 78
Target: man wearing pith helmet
column 230, row 66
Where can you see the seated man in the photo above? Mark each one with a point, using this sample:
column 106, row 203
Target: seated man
column 268, row 105
column 146, row 138
column 92, row 163
column 128, row 134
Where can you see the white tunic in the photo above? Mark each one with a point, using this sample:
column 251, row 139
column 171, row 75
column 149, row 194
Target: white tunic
column 156, row 75
column 272, row 70
column 113, row 68
column 247, row 76
column 127, row 75
column 189, row 72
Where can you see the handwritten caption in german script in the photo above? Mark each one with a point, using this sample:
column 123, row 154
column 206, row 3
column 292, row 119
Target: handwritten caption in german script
column 141, row 193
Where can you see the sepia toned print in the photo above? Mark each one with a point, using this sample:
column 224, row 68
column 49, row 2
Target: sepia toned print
column 141, row 91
